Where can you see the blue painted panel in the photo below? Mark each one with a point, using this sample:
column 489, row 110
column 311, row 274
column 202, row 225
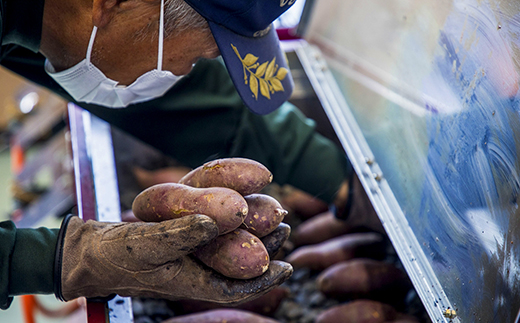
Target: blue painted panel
column 433, row 86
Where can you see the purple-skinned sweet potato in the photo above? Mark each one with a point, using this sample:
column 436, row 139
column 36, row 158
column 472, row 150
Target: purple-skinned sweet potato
column 238, row 254
column 360, row 311
column 220, row 316
column 325, row 254
column 365, row 278
column 243, row 175
column 320, row 228
column 146, row 178
column 264, row 214
column 171, row 201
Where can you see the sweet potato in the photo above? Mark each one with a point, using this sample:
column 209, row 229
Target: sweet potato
column 220, row 316
column 171, row 201
column 320, row 228
column 146, row 178
column 323, row 255
column 264, row 214
column 365, row 278
column 238, row 254
column 243, row 175
column 302, row 203
column 265, row 305
column 360, row 311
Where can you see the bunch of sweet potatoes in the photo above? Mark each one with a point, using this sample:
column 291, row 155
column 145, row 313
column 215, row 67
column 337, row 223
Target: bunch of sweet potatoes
column 226, row 190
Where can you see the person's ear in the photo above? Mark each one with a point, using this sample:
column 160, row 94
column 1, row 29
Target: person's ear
column 103, row 11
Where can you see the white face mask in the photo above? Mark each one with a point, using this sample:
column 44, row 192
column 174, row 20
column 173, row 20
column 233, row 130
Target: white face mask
column 86, row 83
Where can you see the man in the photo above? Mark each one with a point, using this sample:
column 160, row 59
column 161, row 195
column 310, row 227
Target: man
column 124, row 61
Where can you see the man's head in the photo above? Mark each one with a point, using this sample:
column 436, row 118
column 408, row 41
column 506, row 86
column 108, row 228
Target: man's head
column 126, row 43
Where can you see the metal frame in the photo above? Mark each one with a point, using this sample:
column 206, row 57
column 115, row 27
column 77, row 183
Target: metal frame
column 97, row 194
column 385, row 204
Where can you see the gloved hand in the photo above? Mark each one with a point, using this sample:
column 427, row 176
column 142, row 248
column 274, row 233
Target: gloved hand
column 353, row 206
column 96, row 259
column 350, row 211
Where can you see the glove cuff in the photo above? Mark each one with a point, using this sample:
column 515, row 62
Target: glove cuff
column 58, row 259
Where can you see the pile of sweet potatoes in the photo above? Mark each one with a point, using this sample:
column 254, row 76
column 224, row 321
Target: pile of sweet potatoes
column 226, row 190
column 349, row 265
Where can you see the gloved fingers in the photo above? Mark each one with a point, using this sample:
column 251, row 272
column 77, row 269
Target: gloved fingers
column 245, row 290
column 200, row 282
column 144, row 246
column 274, row 241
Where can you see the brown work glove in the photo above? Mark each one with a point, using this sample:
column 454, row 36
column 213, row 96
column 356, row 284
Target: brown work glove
column 96, row 259
column 353, row 206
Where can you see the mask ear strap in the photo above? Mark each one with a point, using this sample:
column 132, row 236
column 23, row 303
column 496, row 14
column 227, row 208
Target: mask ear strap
column 161, row 37
column 91, row 43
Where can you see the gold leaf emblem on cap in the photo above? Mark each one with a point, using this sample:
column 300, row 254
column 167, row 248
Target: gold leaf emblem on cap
column 286, row 2
column 266, row 77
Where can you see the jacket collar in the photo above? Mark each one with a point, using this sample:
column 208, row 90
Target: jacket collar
column 22, row 23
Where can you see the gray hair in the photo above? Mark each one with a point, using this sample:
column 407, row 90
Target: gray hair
column 179, row 16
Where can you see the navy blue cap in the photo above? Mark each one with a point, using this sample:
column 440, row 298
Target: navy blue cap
column 250, row 48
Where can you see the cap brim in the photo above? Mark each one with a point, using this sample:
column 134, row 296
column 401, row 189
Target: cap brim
column 258, row 68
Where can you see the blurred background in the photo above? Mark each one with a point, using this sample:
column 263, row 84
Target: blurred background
column 19, row 102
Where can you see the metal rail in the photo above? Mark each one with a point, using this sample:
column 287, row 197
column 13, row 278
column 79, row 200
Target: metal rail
column 394, row 221
column 97, row 194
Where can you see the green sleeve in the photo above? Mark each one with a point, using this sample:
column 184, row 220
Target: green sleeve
column 27, row 265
